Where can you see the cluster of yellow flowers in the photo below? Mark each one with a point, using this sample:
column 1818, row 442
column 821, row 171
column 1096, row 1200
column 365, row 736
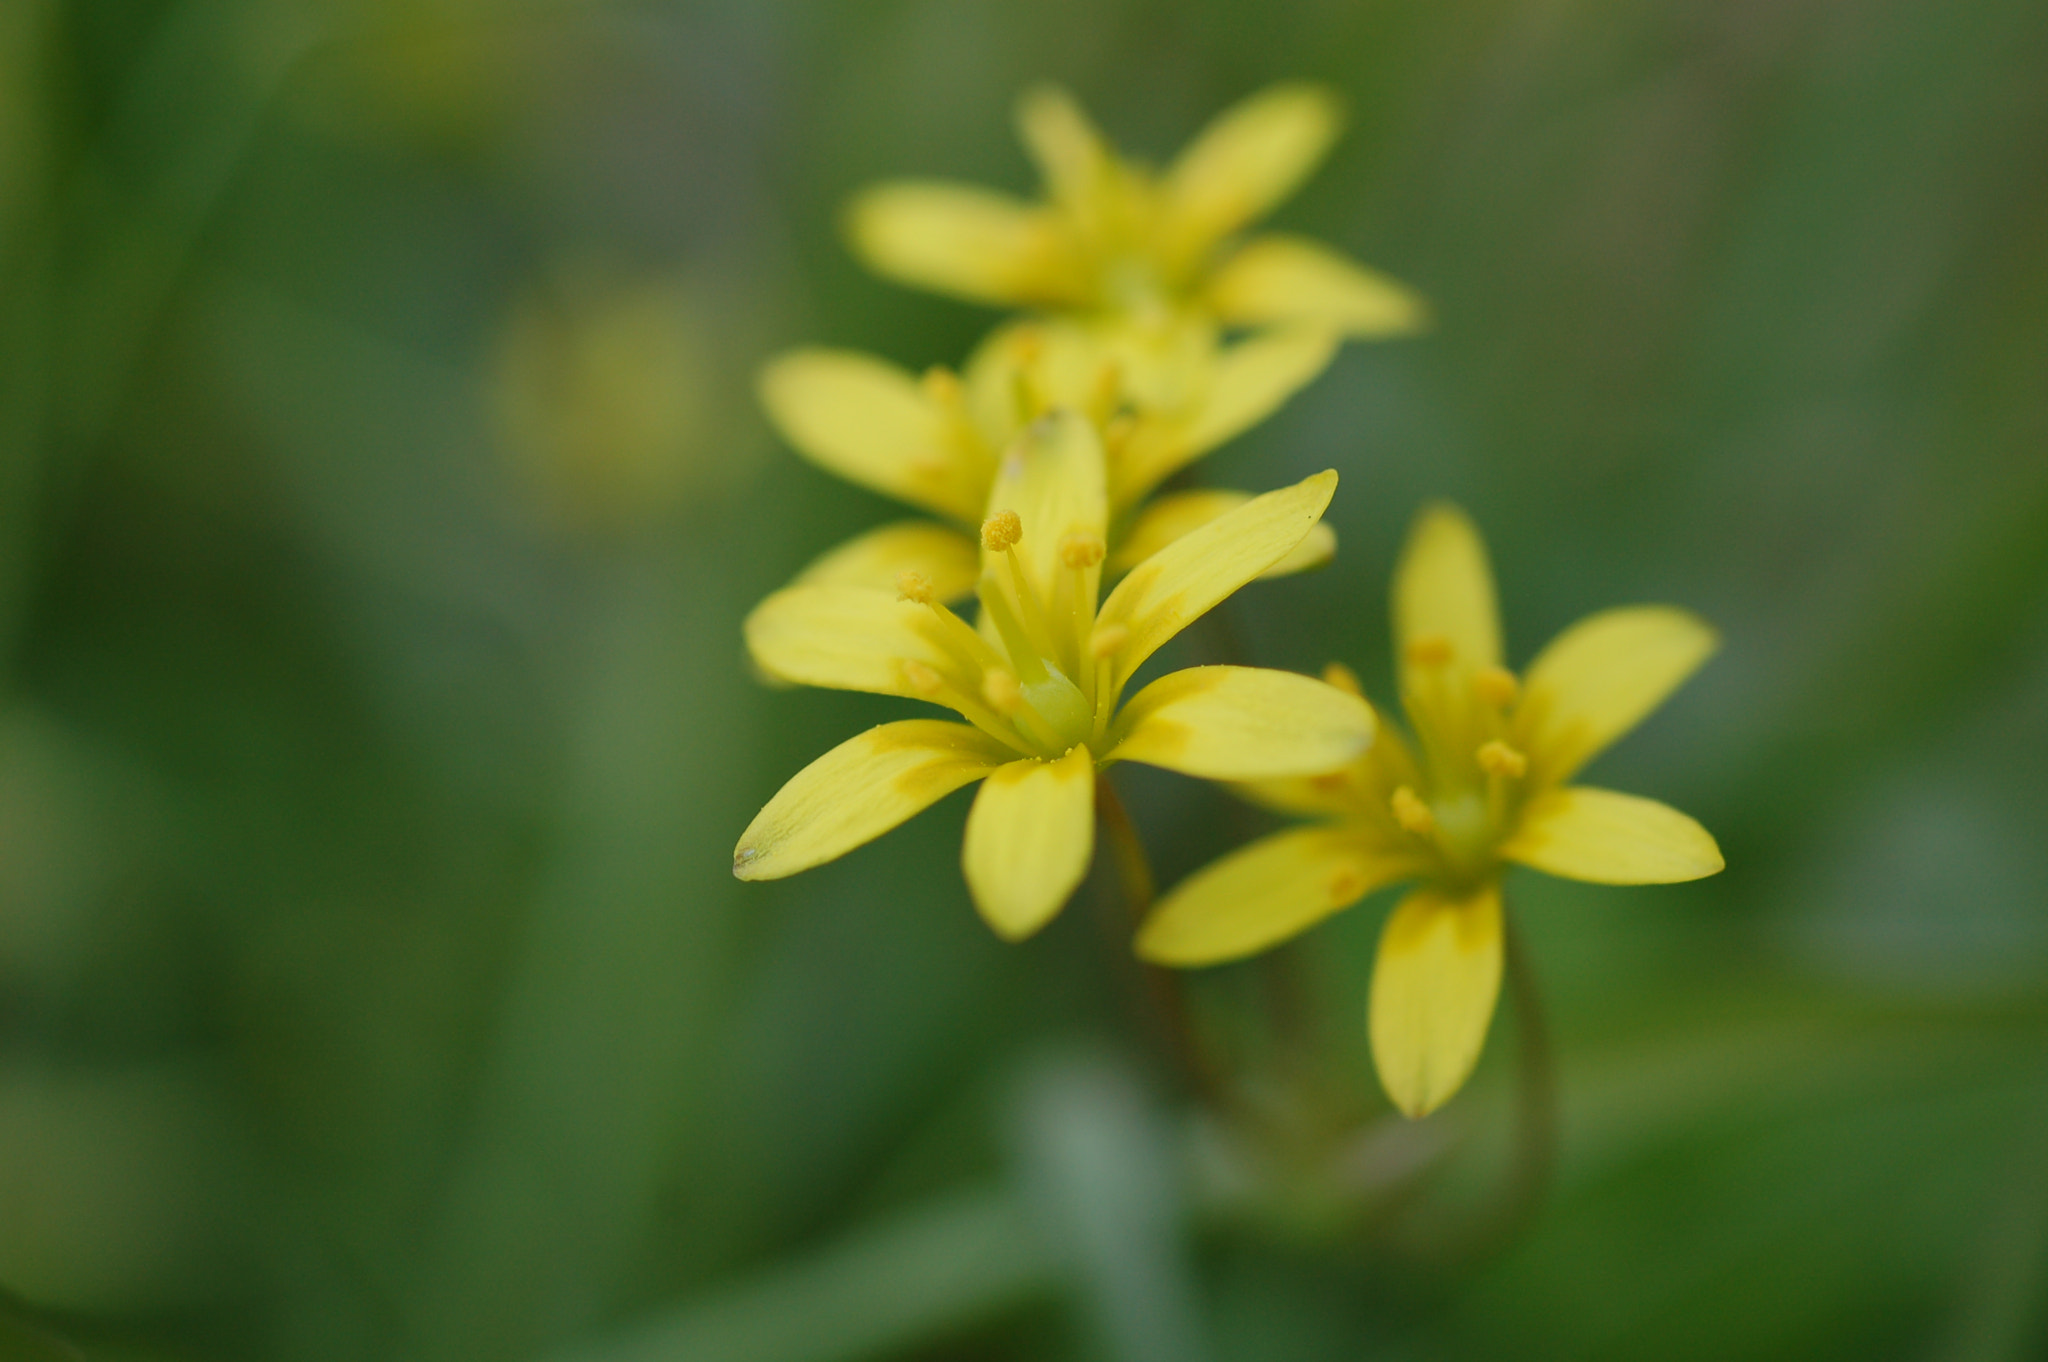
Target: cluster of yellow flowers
column 1156, row 330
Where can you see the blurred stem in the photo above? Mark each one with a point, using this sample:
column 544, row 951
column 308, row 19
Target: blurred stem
column 1165, row 997
column 1535, row 1094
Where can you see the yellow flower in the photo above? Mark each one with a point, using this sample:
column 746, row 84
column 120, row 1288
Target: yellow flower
column 1038, row 683
column 1485, row 785
column 935, row 441
column 1113, row 239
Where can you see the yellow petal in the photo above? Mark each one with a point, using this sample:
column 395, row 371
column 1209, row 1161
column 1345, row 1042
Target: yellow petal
column 966, row 242
column 1180, row 513
column 842, row 638
column 1251, row 157
column 1065, row 146
column 1277, row 278
column 1608, row 838
column 1443, row 593
column 1597, row 679
column 1052, row 477
column 858, row 791
column 1433, row 988
column 1241, row 723
column 1030, row 835
column 1262, row 894
column 948, row 559
column 1246, row 383
column 1175, row 586
column 872, row 424
column 1359, row 790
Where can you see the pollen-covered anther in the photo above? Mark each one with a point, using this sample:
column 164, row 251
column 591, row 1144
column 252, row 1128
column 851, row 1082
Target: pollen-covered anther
column 1002, row 691
column 1001, row 531
column 1495, row 686
column 1411, row 813
column 922, row 678
column 914, row 586
column 1498, row 759
column 1431, row 650
column 1344, row 886
column 1343, row 678
column 1079, row 551
column 1106, row 639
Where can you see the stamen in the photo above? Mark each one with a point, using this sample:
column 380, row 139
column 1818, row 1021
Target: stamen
column 1001, row 531
column 1496, row 686
column 1082, row 551
column 1498, row 759
column 1343, row 678
column 1431, row 650
column 923, row 679
column 1411, row 813
column 1344, row 886
column 999, row 687
column 914, row 586
column 1107, row 639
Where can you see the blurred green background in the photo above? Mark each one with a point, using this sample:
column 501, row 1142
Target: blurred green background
column 380, row 493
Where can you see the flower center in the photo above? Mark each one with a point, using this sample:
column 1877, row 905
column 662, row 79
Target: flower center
column 1472, row 778
column 1040, row 686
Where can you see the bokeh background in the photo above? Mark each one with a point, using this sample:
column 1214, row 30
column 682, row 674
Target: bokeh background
column 381, row 490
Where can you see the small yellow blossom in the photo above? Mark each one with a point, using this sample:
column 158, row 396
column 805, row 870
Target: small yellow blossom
column 1039, row 681
column 1485, row 784
column 1112, row 239
column 935, row 441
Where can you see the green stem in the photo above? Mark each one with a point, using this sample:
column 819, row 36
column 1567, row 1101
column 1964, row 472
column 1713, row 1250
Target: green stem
column 1535, row 1151
column 1166, row 999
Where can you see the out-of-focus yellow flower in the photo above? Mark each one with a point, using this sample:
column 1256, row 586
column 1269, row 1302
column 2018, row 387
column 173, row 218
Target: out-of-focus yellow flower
column 1112, row 239
column 1039, row 682
column 601, row 389
column 935, row 441
column 1484, row 785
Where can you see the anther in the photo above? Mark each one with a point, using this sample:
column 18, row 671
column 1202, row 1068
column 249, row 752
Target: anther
column 1343, row 678
column 1431, row 650
column 914, row 586
column 922, row 679
column 1001, row 531
column 1079, row 551
column 1498, row 759
column 1411, row 813
column 1000, row 688
column 1344, row 886
column 1106, row 639
column 942, row 386
column 1496, row 686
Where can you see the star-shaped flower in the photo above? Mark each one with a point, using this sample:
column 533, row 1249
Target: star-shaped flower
column 1039, row 683
column 933, row 441
column 1485, row 785
column 1113, row 240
